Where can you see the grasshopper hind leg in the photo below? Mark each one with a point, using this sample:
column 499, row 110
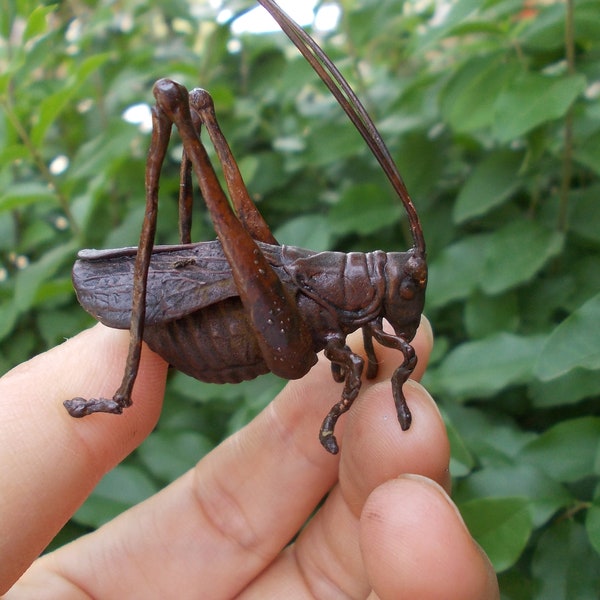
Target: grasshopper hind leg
column 81, row 407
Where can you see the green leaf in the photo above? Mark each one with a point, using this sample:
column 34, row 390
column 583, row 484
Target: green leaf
column 127, row 232
column 491, row 183
column 584, row 218
column 13, row 152
column 516, row 252
column 461, row 459
column 37, row 21
column 23, row 194
column 169, row 454
column 485, row 315
column 493, row 441
column 533, row 99
column 547, row 31
column 458, row 12
column 118, row 490
column 501, row 526
column 587, row 151
column 456, row 272
column 54, row 325
column 567, row 389
column 31, row 278
column 515, row 584
column 263, row 172
column 573, row 344
column 564, row 564
column 8, row 317
column 306, row 231
column 483, row 367
column 103, row 152
column 568, row 451
column 467, row 101
column 363, row 209
column 592, row 522
column 55, row 103
column 332, row 142
column 201, row 391
column 546, row 495
column 420, row 163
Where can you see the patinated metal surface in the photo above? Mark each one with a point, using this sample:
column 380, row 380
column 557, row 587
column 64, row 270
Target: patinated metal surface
column 243, row 305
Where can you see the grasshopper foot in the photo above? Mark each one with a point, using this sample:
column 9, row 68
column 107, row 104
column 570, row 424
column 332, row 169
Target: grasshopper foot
column 80, row 407
column 328, row 441
column 404, row 415
column 326, row 436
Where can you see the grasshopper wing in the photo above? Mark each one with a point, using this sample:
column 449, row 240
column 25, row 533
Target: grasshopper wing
column 181, row 280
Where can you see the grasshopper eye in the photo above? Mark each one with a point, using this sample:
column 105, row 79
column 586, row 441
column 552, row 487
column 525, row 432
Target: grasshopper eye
column 407, row 289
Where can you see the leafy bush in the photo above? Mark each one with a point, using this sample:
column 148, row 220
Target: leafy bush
column 492, row 110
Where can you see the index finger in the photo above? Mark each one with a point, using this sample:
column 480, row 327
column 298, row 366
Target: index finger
column 232, row 513
column 50, row 461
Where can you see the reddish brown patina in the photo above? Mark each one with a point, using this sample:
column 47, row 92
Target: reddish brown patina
column 243, row 305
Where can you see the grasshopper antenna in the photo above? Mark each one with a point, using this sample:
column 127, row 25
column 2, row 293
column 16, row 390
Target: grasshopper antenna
column 353, row 107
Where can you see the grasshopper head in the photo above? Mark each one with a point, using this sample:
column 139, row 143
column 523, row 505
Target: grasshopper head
column 406, row 280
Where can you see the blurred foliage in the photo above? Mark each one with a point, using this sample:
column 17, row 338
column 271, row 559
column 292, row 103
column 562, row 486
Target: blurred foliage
column 492, row 110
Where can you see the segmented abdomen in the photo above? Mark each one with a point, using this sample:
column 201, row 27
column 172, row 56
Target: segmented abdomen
column 215, row 344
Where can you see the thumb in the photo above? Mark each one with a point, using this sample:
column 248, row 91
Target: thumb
column 415, row 544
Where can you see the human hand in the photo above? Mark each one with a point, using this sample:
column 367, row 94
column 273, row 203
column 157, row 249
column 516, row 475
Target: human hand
column 386, row 530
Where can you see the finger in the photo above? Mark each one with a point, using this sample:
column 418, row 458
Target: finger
column 232, row 514
column 423, row 343
column 415, row 543
column 375, row 449
column 326, row 560
column 51, row 461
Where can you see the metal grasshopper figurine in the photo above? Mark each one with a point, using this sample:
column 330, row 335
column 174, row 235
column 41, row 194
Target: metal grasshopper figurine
column 237, row 307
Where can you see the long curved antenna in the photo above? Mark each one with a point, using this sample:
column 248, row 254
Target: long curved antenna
column 353, row 107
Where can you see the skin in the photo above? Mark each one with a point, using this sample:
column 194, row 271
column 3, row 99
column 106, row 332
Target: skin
column 388, row 528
